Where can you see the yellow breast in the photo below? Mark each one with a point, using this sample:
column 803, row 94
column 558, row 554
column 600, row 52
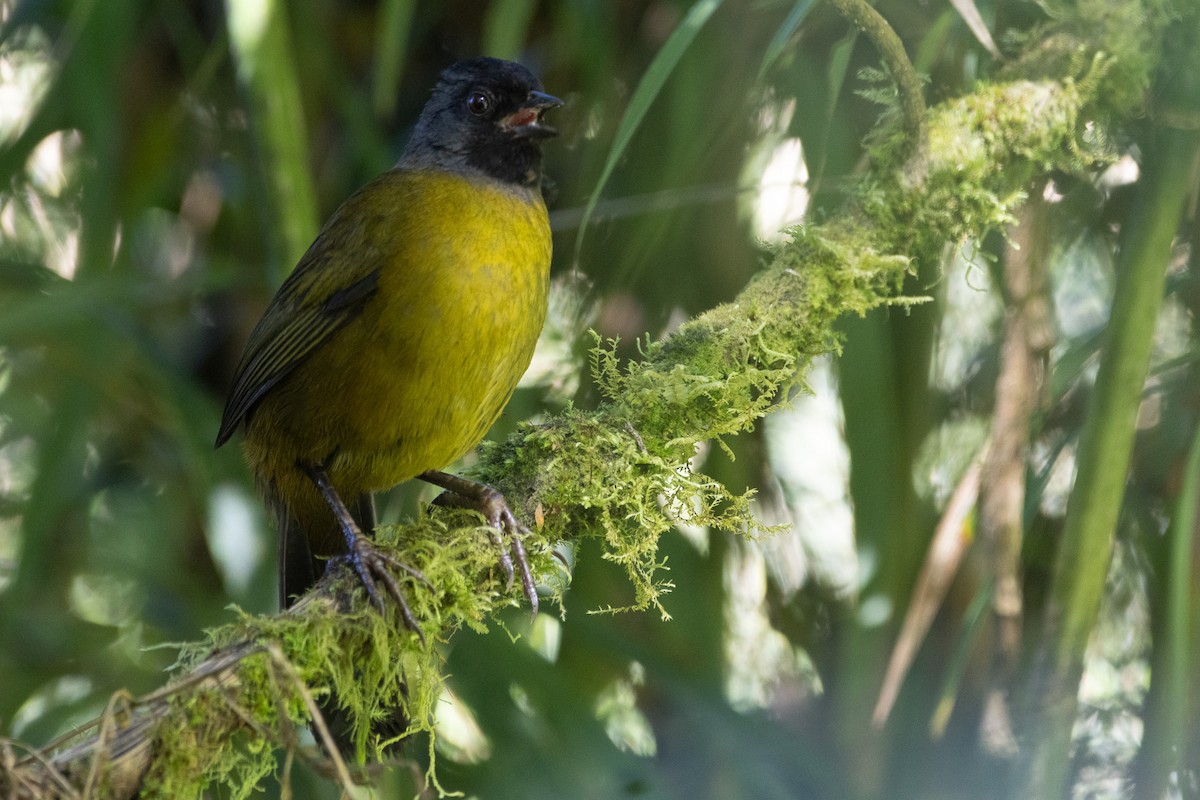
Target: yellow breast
column 418, row 377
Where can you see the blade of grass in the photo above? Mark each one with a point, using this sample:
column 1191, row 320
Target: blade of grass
column 933, row 42
column 1166, row 742
column 647, row 90
column 950, row 542
column 1105, row 447
column 835, row 80
column 970, row 14
column 506, row 26
column 391, row 48
column 261, row 41
column 948, row 696
column 783, row 35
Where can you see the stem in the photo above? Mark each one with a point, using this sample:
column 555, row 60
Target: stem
column 1167, row 739
column 912, row 102
column 1026, row 342
column 1105, row 447
column 261, row 40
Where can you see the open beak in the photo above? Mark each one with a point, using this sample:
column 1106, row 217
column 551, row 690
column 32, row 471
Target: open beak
column 526, row 121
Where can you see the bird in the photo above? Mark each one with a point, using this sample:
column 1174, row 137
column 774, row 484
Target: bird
column 400, row 335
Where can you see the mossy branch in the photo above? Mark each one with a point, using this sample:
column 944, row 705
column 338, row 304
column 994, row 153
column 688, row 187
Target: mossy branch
column 621, row 473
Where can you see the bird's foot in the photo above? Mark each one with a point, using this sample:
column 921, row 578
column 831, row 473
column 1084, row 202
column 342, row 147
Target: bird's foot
column 463, row 493
column 501, row 520
column 374, row 567
column 370, row 563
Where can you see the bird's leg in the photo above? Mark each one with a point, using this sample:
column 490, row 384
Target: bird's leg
column 465, row 493
column 370, row 564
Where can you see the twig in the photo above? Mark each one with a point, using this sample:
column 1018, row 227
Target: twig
column 912, row 102
column 280, row 662
column 941, row 564
column 19, row 779
column 101, row 754
column 1025, row 343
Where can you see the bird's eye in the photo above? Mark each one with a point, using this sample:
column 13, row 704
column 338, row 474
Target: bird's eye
column 479, row 103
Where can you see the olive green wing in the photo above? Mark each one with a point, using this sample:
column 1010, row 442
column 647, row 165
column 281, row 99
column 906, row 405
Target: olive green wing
column 314, row 302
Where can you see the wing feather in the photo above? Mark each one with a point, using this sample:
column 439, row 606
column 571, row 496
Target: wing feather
column 297, row 322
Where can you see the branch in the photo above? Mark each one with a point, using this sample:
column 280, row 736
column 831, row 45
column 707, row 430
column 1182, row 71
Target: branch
column 1028, row 334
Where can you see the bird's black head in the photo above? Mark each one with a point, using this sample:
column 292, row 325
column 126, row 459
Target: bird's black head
column 485, row 115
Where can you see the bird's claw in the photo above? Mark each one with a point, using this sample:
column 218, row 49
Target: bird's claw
column 369, row 562
column 501, row 519
column 373, row 566
column 463, row 493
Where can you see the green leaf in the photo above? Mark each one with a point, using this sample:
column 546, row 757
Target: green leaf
column 783, row 35
column 505, row 27
column 647, row 90
column 391, row 48
column 261, row 40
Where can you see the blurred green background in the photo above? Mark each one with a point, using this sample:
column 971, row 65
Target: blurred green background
column 164, row 163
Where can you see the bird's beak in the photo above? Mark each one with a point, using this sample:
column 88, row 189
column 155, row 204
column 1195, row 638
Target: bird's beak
column 526, row 121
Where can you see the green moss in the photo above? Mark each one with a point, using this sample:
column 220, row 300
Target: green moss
column 623, row 474
column 1126, row 35
column 331, row 645
column 983, row 151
